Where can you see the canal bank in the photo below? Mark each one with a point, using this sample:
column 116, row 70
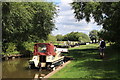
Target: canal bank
column 88, row 65
column 58, row 68
column 8, row 57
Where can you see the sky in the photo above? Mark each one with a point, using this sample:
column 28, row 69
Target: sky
column 66, row 23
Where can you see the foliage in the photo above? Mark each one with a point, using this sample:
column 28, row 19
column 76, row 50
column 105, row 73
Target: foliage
column 106, row 14
column 26, row 22
column 10, row 48
column 93, row 35
column 76, row 36
column 59, row 37
column 28, row 46
column 25, row 48
column 51, row 38
column 44, row 19
column 84, row 38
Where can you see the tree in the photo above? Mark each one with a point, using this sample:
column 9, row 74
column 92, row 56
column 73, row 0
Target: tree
column 23, row 21
column 77, row 36
column 84, row 38
column 43, row 19
column 93, row 35
column 51, row 38
column 26, row 21
column 59, row 37
column 106, row 35
column 73, row 36
column 106, row 14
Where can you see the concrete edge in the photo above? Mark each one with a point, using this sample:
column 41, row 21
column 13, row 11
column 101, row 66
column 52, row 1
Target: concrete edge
column 59, row 68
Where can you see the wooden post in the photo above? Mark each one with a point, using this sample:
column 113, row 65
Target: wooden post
column 6, row 58
column 36, row 77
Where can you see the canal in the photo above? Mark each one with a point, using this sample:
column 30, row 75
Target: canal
column 18, row 68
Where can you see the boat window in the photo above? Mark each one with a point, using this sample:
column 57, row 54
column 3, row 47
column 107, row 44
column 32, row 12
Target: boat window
column 42, row 48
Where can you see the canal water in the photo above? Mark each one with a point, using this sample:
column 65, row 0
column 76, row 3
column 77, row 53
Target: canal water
column 18, row 68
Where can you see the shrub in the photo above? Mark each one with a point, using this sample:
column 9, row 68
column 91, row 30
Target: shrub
column 29, row 46
column 10, row 48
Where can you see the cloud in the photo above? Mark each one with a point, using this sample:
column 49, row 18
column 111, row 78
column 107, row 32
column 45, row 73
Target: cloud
column 66, row 23
column 66, row 1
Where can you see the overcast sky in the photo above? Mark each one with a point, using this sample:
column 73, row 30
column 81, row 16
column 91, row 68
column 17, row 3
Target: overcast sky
column 66, row 23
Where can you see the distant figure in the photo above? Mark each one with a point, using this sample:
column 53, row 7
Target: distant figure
column 102, row 47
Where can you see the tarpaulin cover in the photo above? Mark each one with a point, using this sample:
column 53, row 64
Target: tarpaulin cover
column 49, row 49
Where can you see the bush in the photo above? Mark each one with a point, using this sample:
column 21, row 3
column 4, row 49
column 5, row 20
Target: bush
column 25, row 48
column 29, row 46
column 10, row 48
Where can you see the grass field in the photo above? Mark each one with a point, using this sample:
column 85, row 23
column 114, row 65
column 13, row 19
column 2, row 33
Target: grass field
column 88, row 65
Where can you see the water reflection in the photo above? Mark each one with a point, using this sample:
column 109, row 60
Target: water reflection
column 18, row 68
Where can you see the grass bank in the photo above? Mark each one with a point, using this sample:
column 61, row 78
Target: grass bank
column 88, row 65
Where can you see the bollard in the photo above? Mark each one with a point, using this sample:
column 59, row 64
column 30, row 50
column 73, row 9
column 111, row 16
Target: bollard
column 13, row 57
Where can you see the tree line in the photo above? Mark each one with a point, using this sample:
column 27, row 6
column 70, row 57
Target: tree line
column 79, row 36
column 74, row 36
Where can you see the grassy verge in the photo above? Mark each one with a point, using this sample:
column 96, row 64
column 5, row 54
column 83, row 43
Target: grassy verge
column 87, row 64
